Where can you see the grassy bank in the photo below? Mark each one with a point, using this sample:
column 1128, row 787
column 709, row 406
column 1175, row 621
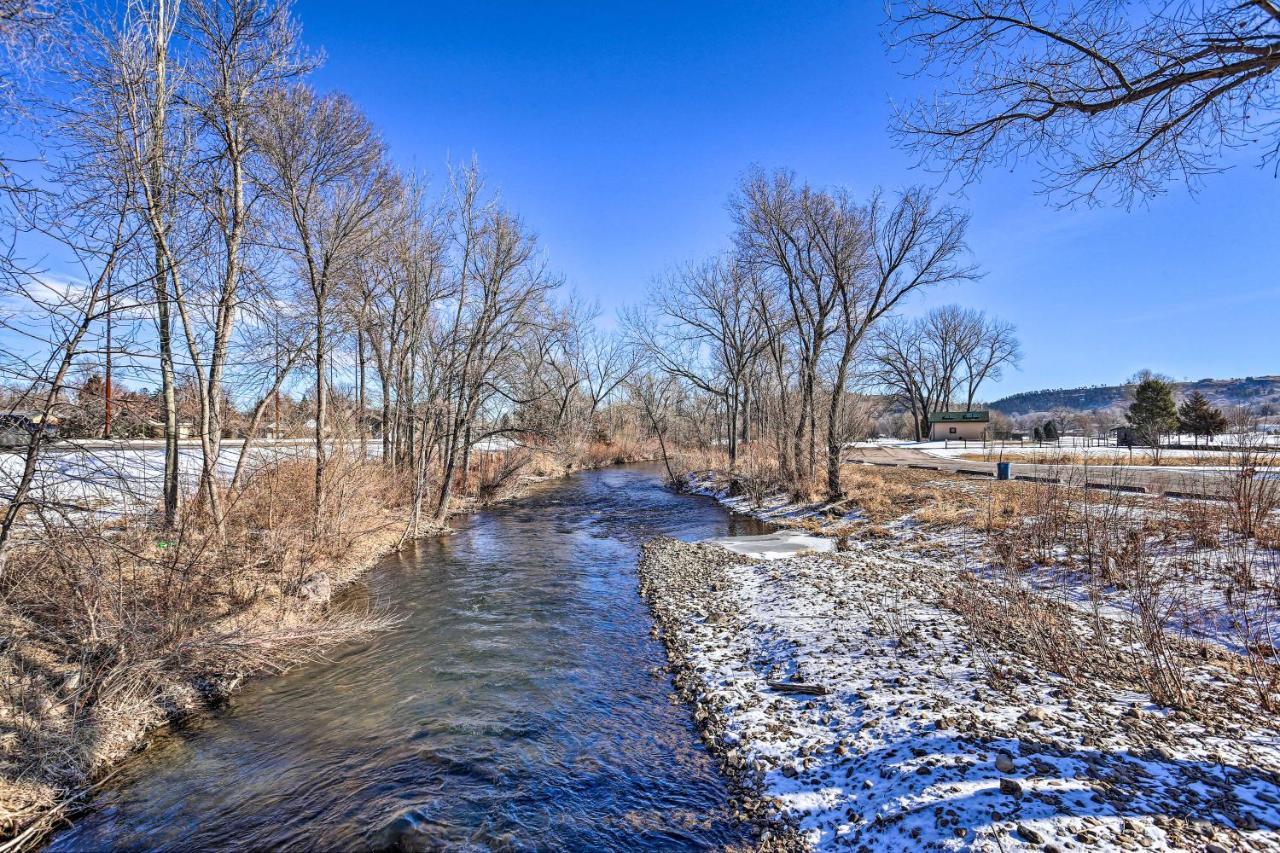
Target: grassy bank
column 114, row 627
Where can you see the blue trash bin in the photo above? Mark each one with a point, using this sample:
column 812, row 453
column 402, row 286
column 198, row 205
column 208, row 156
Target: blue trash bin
column 1002, row 470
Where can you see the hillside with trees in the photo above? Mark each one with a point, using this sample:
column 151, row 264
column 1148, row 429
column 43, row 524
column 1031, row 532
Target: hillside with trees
column 1259, row 394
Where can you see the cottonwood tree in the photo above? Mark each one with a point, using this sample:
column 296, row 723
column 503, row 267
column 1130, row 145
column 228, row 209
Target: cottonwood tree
column 124, row 108
column 915, row 243
column 929, row 362
column 499, row 291
column 242, row 51
column 992, row 346
column 702, row 328
column 328, row 179
column 775, row 238
column 1111, row 98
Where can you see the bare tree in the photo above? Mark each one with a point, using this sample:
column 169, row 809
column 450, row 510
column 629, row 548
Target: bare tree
column 775, row 238
column 991, row 347
column 703, row 329
column 127, row 92
column 929, row 361
column 1110, row 97
column 244, row 50
column 328, row 178
column 498, row 299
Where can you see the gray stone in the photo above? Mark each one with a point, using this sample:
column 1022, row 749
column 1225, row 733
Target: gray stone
column 317, row 588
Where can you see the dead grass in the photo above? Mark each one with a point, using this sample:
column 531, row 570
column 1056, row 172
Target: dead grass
column 113, row 628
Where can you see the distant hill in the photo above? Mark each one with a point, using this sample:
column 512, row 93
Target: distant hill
column 1261, row 394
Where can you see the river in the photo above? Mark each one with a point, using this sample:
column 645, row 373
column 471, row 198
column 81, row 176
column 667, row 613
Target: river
column 515, row 708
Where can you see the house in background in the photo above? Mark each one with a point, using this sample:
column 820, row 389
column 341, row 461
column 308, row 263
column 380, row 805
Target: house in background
column 960, row 426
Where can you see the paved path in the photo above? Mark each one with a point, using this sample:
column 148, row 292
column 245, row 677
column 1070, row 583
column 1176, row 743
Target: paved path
column 1177, row 483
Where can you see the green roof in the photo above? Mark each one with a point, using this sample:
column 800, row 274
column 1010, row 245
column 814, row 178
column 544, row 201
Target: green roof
column 977, row 416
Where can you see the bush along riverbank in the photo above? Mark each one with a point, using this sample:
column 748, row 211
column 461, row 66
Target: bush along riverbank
column 114, row 627
column 888, row 697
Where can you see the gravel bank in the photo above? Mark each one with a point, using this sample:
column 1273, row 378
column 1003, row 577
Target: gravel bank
column 858, row 709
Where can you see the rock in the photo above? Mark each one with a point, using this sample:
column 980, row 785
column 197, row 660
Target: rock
column 1011, row 787
column 1028, row 834
column 1004, row 762
column 317, row 588
column 1035, row 715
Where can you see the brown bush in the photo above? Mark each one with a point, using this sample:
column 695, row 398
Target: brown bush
column 114, row 626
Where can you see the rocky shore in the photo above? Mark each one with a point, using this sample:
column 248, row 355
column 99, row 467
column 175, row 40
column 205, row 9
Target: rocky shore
column 857, row 707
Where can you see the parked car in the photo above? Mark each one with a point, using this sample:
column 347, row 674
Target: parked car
column 17, row 429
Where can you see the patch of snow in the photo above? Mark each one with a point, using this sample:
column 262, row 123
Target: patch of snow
column 775, row 546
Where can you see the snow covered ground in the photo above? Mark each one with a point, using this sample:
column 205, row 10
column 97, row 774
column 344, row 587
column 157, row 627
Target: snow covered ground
column 849, row 693
column 1199, row 601
column 113, row 479
column 933, row 724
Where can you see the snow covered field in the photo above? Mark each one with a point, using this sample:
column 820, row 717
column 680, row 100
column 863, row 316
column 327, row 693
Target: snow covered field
column 110, row 479
column 1198, row 601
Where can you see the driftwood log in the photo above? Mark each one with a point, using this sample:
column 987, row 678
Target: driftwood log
column 796, row 687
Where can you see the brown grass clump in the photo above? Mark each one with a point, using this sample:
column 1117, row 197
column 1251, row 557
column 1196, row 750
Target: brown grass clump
column 114, row 627
column 884, row 494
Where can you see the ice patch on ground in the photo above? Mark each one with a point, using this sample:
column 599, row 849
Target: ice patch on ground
column 775, row 546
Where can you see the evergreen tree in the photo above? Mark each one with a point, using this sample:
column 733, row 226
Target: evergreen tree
column 1153, row 413
column 1050, row 431
column 1197, row 417
column 1038, row 435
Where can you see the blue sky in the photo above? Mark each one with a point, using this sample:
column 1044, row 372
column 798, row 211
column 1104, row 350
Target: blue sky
column 618, row 131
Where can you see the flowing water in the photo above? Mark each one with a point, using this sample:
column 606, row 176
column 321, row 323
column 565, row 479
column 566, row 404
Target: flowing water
column 515, row 708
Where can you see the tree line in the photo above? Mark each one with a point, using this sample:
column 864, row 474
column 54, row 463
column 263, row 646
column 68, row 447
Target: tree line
column 798, row 333
column 233, row 233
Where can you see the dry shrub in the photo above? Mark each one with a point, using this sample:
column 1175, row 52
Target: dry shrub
column 947, row 509
column 687, row 462
column 1253, row 494
column 1005, row 614
column 884, row 494
column 112, row 627
column 1201, row 521
column 497, row 475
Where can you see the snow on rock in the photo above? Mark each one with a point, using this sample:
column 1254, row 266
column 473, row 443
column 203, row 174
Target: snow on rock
column 844, row 693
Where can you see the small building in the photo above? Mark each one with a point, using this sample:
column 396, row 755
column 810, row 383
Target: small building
column 1127, row 436
column 155, row 429
column 960, row 426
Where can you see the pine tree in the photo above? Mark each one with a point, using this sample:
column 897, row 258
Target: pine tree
column 1197, row 417
column 1050, row 431
column 1038, row 435
column 1153, row 413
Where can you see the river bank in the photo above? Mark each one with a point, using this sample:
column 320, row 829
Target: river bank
column 60, row 737
column 520, row 703
column 889, row 697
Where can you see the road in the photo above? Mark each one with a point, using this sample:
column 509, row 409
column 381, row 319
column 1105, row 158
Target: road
column 1177, row 483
